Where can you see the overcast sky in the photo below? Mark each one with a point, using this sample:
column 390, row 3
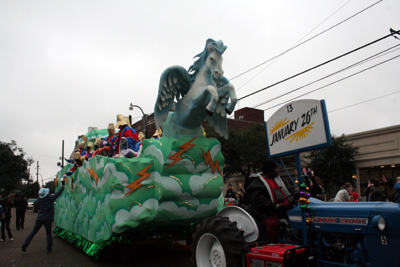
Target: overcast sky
column 68, row 65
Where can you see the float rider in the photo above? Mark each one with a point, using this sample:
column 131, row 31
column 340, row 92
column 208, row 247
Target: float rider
column 139, row 144
column 125, row 131
column 89, row 150
column 97, row 144
column 81, row 148
column 111, row 132
column 78, row 163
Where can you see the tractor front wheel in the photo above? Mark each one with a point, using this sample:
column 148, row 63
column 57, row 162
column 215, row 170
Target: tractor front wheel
column 218, row 242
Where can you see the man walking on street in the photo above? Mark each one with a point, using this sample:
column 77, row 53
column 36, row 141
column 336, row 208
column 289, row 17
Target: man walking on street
column 20, row 204
column 45, row 216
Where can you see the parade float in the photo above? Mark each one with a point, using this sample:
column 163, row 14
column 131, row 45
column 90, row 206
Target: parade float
column 174, row 183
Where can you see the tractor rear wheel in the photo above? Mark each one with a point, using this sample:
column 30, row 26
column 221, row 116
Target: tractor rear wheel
column 217, row 242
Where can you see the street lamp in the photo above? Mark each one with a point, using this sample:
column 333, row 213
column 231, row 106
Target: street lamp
column 145, row 118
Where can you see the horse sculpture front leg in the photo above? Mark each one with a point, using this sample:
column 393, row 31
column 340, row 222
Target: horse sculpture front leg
column 225, row 90
column 213, row 95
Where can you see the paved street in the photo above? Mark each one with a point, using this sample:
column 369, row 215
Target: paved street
column 66, row 255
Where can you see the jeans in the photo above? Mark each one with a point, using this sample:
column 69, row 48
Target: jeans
column 20, row 219
column 5, row 224
column 38, row 224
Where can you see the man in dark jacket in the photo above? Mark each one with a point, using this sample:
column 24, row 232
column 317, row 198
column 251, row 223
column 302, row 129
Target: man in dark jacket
column 268, row 199
column 20, row 204
column 230, row 193
column 45, row 216
column 7, row 203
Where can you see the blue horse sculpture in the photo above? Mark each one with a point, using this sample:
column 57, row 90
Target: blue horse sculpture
column 202, row 93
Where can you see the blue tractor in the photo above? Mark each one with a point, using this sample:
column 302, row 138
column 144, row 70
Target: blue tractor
column 351, row 233
column 318, row 234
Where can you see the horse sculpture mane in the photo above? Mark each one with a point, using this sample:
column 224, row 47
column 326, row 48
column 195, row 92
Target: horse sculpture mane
column 199, row 98
column 217, row 45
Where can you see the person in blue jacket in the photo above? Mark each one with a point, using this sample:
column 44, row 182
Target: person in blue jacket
column 45, row 216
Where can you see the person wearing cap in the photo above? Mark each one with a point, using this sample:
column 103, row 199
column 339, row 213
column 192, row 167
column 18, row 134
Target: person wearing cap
column 268, row 198
column 45, row 216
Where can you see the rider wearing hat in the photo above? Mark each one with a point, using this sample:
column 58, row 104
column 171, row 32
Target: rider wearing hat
column 125, row 131
column 111, row 132
column 89, row 151
column 81, row 148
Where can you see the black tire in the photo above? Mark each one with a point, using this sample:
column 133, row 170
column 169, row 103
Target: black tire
column 230, row 238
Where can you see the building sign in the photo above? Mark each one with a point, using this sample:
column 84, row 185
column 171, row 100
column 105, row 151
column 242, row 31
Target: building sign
column 297, row 127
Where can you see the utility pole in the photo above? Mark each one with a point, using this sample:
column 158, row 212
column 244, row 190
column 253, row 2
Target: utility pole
column 29, row 177
column 37, row 173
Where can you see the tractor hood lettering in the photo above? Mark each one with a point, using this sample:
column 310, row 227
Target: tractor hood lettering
column 357, row 221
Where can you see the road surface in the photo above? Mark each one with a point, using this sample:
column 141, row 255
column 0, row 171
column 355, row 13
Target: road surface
column 65, row 254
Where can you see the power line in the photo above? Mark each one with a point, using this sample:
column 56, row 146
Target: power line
column 317, row 66
column 335, row 82
column 293, row 46
column 369, row 100
column 306, row 40
column 382, row 53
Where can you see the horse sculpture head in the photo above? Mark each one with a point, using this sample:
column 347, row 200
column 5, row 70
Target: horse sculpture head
column 211, row 57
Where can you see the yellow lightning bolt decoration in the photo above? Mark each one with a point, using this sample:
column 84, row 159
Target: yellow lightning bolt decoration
column 136, row 184
column 209, row 160
column 185, row 147
column 93, row 174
